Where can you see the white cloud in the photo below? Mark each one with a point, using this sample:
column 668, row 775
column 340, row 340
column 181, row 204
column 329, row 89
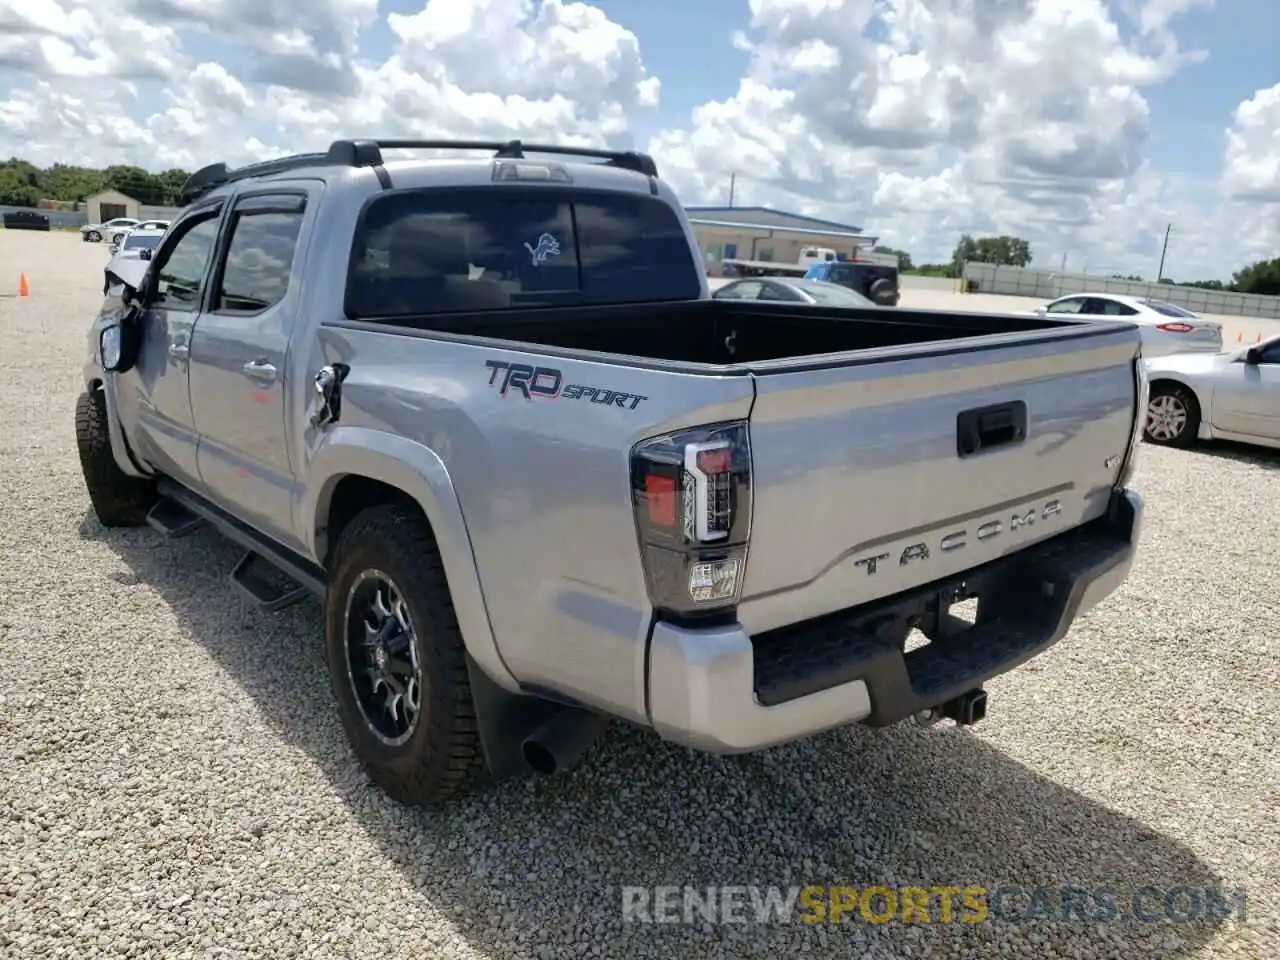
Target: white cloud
column 1251, row 168
column 919, row 119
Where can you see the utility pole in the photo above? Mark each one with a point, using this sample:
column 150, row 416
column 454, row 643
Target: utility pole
column 733, row 177
column 1163, row 250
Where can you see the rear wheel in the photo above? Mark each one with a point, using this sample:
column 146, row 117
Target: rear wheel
column 118, row 499
column 397, row 661
column 1173, row 416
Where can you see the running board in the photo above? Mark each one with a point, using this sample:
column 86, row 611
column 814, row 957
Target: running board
column 173, row 519
column 248, row 575
column 252, row 580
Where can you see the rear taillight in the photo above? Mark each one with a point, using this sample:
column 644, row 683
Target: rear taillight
column 692, row 497
column 1175, row 327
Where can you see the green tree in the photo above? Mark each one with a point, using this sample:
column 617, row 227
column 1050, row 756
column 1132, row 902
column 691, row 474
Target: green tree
column 171, row 182
column 135, row 182
column 15, row 191
column 1261, row 277
column 1003, row 250
column 64, row 182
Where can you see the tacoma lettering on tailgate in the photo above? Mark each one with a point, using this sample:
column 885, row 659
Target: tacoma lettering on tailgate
column 955, row 539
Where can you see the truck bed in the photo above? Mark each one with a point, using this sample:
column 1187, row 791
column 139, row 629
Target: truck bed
column 722, row 333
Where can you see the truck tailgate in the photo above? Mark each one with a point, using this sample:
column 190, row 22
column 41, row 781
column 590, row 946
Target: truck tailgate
column 898, row 467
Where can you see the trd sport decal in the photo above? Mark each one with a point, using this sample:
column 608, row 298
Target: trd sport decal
column 547, row 383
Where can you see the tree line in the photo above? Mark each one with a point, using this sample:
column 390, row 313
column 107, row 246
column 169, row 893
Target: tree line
column 23, row 184
column 1262, row 277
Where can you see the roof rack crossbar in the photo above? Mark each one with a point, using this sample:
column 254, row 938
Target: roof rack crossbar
column 510, row 150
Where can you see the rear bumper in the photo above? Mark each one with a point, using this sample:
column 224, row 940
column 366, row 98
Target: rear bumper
column 721, row 691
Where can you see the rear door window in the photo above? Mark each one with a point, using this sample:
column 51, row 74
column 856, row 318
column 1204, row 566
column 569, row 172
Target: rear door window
column 434, row 251
column 633, row 249
column 1070, row 305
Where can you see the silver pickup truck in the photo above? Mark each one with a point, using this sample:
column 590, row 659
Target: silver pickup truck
column 484, row 407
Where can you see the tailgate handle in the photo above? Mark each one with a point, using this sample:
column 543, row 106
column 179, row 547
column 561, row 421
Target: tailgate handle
column 987, row 428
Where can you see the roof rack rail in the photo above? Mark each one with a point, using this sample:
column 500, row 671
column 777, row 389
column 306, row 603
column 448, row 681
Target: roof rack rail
column 217, row 174
column 369, row 152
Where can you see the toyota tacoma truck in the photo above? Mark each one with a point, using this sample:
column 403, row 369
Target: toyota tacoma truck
column 483, row 406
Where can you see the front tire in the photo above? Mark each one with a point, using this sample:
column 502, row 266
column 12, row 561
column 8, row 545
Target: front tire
column 397, row 661
column 93, row 236
column 118, row 499
column 1173, row 416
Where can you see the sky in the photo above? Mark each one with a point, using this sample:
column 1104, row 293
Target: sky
column 1084, row 126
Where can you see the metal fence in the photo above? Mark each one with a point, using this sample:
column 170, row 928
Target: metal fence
column 1048, row 284
column 78, row 218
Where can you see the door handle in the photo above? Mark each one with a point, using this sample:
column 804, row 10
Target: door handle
column 987, row 428
column 260, row 370
column 179, row 351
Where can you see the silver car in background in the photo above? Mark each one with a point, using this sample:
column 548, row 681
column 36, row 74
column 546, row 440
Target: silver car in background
column 1223, row 396
column 786, row 289
column 1166, row 327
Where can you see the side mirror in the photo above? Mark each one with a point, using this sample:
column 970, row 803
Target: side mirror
column 119, row 341
column 1253, row 356
column 144, row 253
column 1041, row 311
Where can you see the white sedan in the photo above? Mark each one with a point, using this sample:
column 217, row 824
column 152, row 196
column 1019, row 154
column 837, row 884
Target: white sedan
column 1166, row 328
column 94, row 232
column 1223, row 396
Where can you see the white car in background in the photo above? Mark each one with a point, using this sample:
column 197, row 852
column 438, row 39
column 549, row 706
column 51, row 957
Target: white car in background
column 94, row 232
column 1166, row 327
column 1222, row 396
column 117, row 235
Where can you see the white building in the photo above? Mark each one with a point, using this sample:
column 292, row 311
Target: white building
column 765, row 234
column 110, row 204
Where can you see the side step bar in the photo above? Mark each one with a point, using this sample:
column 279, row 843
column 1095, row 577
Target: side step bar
column 179, row 509
column 253, row 582
column 173, row 519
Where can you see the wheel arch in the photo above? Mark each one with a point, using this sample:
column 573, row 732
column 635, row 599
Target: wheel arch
column 357, row 467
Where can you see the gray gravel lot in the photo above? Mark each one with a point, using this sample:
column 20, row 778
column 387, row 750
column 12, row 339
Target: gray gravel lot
column 173, row 781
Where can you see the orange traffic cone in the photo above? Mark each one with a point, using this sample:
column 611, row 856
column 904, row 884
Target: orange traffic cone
column 1240, row 337
column 24, row 289
column 1258, row 338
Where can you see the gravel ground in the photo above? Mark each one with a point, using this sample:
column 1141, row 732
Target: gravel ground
column 173, row 782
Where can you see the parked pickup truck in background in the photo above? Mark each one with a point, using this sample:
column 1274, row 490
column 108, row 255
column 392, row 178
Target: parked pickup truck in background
column 486, row 410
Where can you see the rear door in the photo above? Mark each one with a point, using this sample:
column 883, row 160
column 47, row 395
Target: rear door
column 239, row 379
column 864, row 483
column 1246, row 400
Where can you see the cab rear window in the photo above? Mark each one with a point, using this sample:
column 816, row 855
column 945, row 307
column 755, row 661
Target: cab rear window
column 448, row 251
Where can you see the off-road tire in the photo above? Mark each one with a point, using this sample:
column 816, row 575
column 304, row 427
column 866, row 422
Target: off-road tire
column 1190, row 429
column 118, row 499
column 443, row 760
